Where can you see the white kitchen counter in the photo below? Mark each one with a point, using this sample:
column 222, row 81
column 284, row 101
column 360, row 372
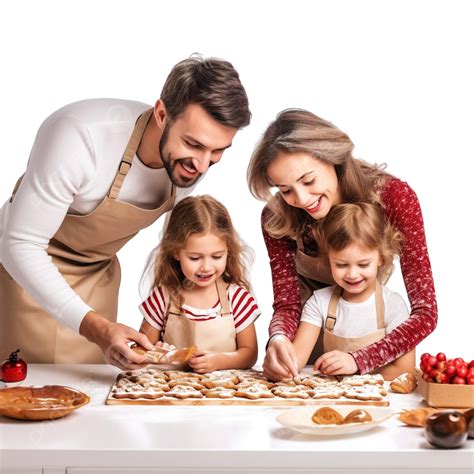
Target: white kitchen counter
column 204, row 439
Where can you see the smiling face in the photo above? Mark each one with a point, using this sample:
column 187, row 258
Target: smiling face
column 305, row 182
column 203, row 259
column 354, row 269
column 192, row 143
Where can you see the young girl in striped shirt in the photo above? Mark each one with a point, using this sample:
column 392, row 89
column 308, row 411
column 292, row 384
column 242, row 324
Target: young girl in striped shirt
column 200, row 295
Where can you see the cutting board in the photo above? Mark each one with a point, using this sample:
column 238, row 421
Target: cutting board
column 275, row 401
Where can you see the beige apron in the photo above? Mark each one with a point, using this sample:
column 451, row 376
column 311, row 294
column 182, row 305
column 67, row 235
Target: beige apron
column 333, row 342
column 217, row 334
column 314, row 273
column 84, row 251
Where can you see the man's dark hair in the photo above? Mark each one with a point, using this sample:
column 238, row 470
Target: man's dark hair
column 213, row 84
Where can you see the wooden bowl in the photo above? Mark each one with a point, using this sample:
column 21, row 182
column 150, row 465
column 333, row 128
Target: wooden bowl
column 40, row 403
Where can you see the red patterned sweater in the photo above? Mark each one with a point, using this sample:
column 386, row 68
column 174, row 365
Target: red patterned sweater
column 403, row 211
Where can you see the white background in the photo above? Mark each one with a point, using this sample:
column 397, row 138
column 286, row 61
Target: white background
column 396, row 76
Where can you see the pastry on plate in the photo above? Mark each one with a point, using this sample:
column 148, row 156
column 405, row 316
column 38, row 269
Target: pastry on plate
column 327, row 416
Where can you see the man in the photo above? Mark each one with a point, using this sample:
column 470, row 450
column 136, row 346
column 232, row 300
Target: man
column 99, row 172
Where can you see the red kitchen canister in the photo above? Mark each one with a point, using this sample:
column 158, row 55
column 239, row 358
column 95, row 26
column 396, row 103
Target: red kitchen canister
column 14, row 369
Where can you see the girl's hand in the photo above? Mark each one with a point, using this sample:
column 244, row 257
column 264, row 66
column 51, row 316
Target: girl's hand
column 280, row 360
column 336, row 363
column 204, row 361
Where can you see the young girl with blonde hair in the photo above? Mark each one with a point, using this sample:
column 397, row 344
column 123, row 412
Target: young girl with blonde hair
column 201, row 296
column 359, row 245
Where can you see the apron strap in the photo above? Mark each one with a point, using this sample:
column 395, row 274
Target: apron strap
column 379, row 306
column 129, row 152
column 332, row 309
column 171, row 309
column 223, row 299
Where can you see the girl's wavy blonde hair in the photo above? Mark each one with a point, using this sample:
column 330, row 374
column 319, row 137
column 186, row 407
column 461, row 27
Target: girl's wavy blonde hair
column 299, row 131
column 364, row 224
column 197, row 215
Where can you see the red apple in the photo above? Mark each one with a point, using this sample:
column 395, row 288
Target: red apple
column 442, row 377
column 425, row 367
column 461, row 371
column 450, row 370
column 425, row 356
column 426, row 377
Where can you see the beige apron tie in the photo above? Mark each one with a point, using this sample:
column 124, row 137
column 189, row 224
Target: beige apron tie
column 314, row 273
column 84, row 251
column 349, row 344
column 217, row 334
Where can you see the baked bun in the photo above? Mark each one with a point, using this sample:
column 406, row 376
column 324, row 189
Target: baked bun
column 357, row 416
column 327, row 416
column 404, row 383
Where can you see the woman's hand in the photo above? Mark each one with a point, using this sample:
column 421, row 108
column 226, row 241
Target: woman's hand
column 336, row 363
column 204, row 361
column 280, row 360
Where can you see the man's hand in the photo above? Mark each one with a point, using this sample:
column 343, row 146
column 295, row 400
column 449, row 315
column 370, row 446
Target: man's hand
column 336, row 363
column 113, row 339
column 204, row 361
column 280, row 360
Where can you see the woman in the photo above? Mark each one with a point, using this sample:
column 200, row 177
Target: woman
column 310, row 162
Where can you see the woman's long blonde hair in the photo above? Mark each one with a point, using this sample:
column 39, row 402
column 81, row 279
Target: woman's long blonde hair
column 300, row 131
column 198, row 215
column 364, row 224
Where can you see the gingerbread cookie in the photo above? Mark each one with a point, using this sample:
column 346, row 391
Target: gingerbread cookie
column 184, row 391
column 224, row 382
column 296, row 391
column 254, row 392
column 257, row 382
column 188, row 382
column 363, row 393
column 218, row 392
column 326, row 391
column 360, row 380
column 180, row 374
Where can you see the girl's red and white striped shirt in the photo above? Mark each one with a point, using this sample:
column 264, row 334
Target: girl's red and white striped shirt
column 243, row 306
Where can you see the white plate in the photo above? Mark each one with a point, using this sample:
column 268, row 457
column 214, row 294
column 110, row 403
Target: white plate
column 299, row 419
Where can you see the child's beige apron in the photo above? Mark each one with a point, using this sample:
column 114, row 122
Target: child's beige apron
column 333, row 342
column 314, row 273
column 217, row 334
column 84, row 251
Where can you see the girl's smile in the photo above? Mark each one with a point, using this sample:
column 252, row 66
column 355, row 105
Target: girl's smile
column 203, row 259
column 355, row 270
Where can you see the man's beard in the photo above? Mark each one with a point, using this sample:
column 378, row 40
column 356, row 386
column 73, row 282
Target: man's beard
column 170, row 164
